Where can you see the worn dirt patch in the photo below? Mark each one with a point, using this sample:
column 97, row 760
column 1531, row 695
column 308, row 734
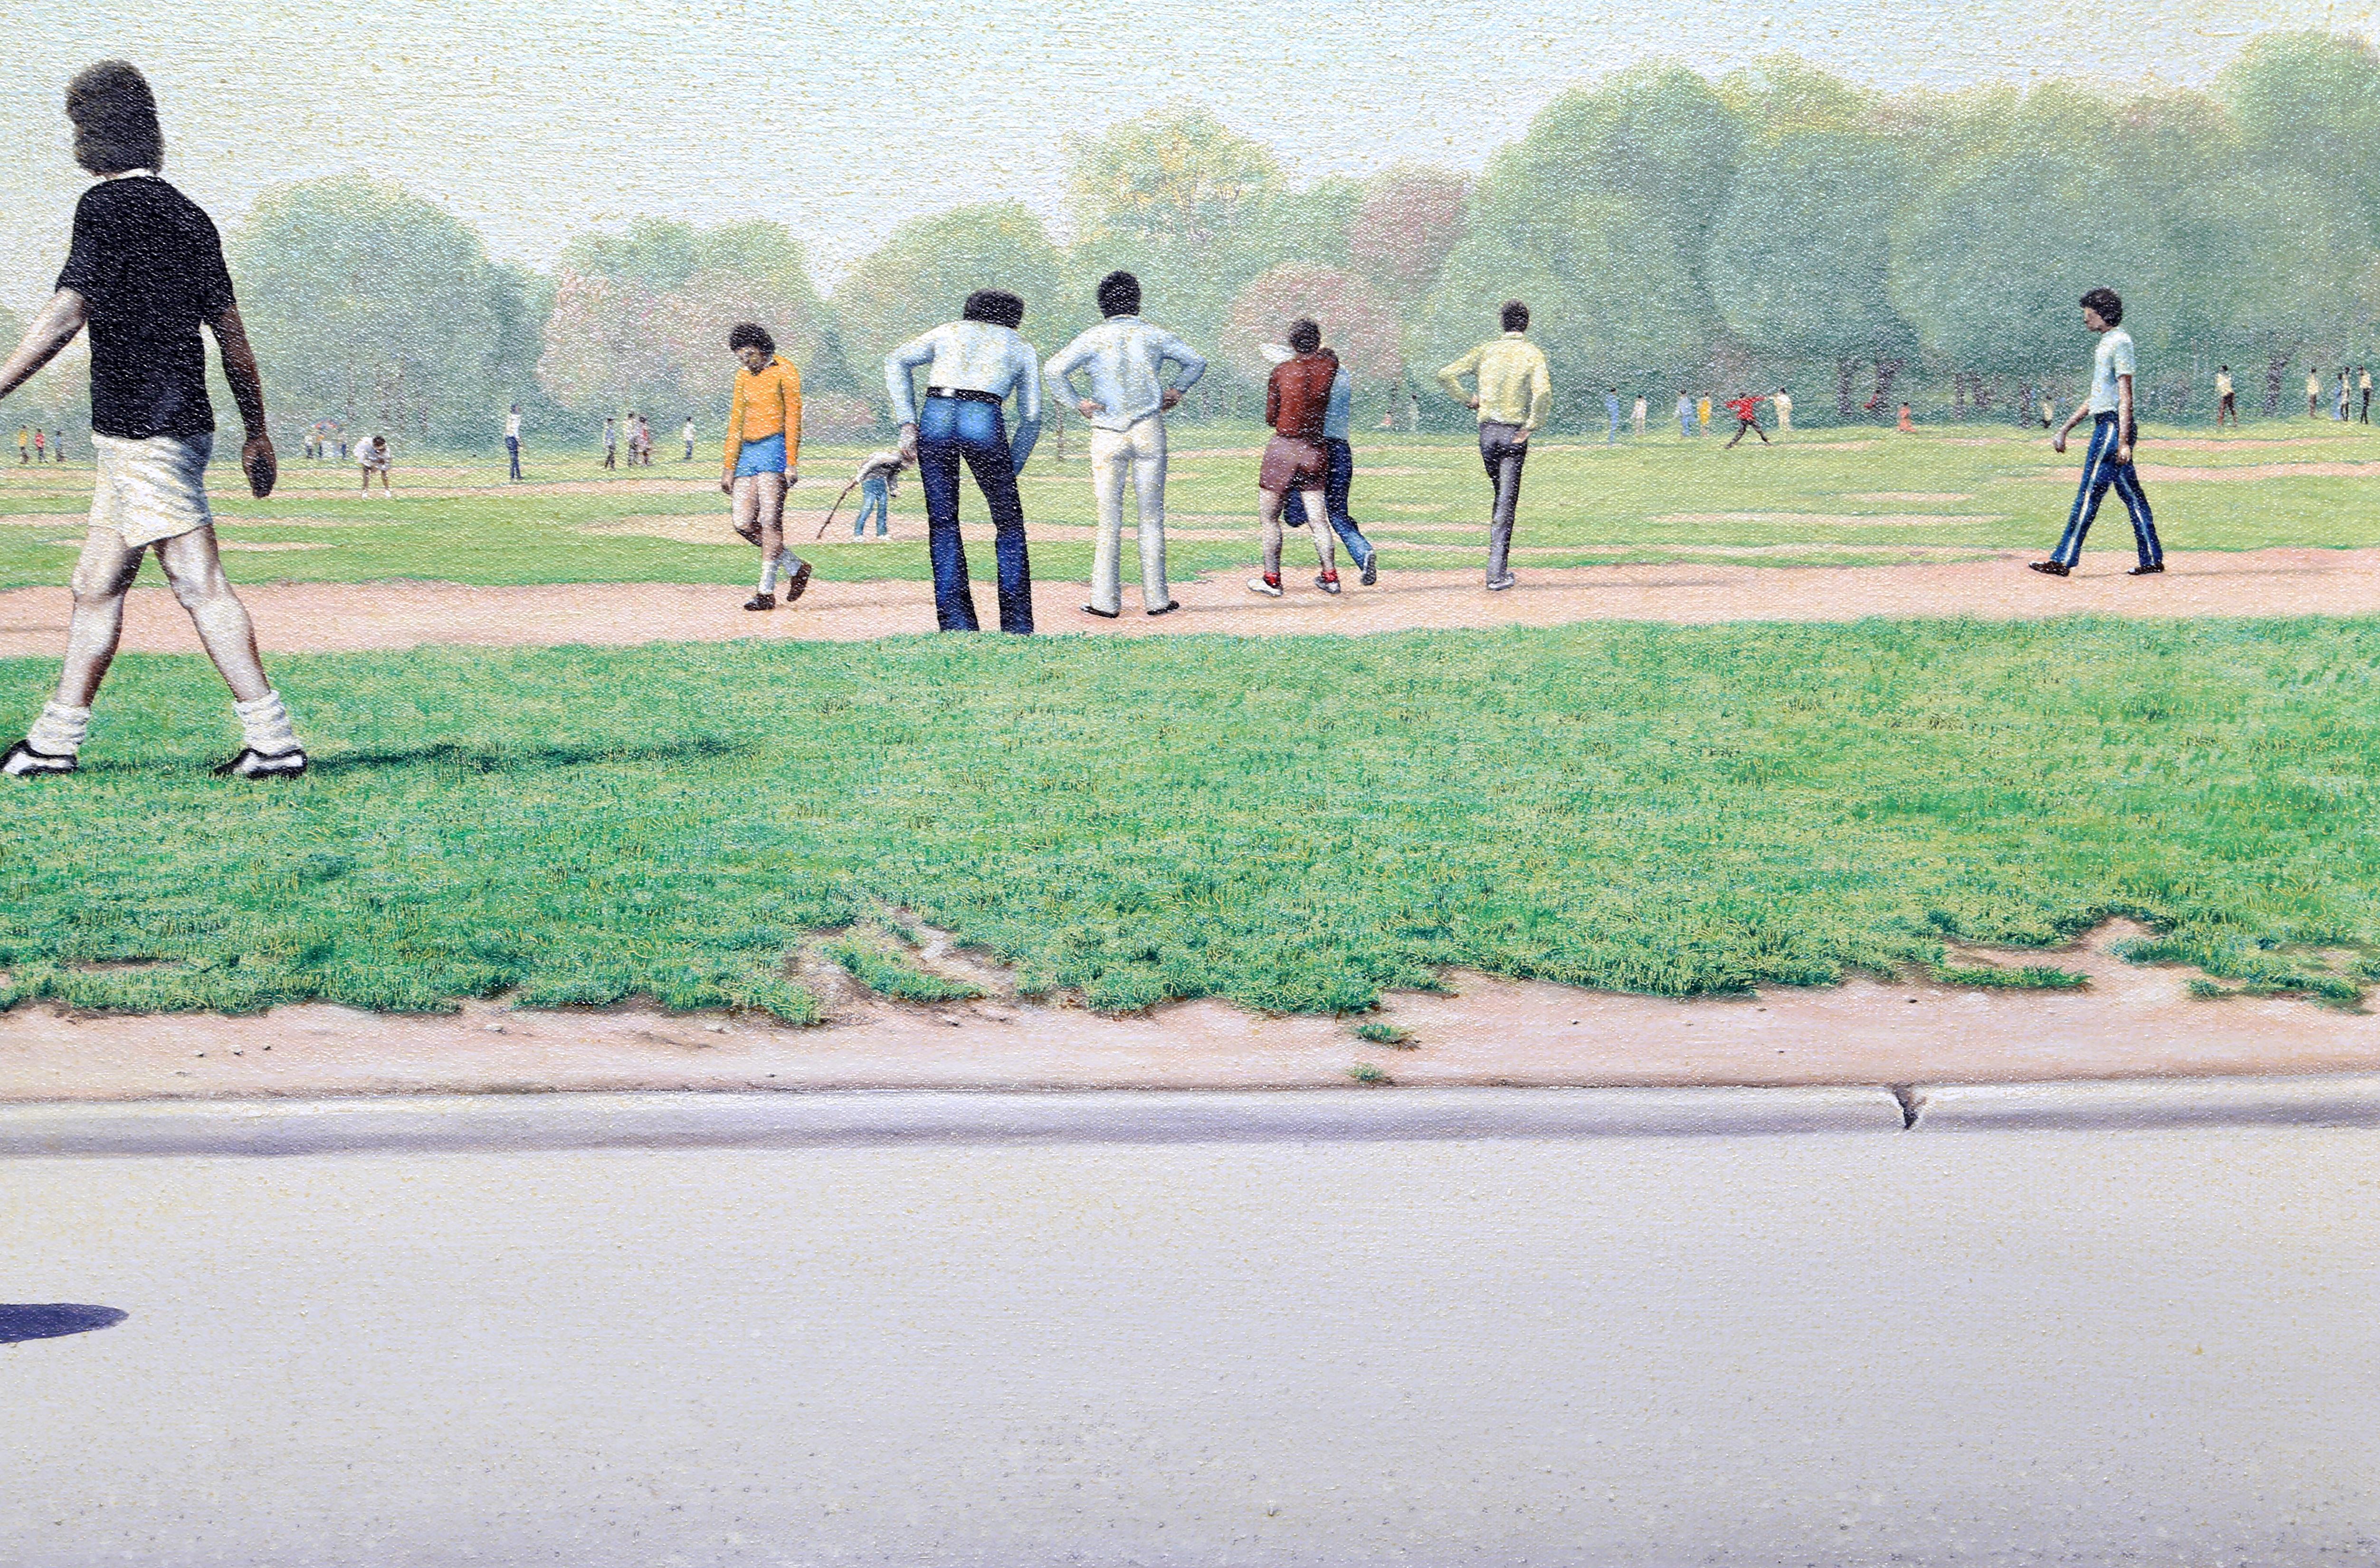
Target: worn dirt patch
column 321, row 617
column 1912, row 497
column 2128, row 1022
column 2238, row 473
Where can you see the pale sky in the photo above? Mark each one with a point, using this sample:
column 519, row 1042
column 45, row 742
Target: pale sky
column 535, row 121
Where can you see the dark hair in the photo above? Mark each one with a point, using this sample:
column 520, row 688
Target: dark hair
column 2110, row 305
column 1305, row 336
column 2225, row 369
column 750, row 334
column 997, row 306
column 1515, row 316
column 1118, row 295
column 115, row 117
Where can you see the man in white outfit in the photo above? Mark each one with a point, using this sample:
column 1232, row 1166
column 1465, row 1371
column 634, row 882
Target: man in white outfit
column 1127, row 405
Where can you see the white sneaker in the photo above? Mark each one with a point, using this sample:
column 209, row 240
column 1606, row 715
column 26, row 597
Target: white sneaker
column 24, row 762
column 1268, row 586
column 253, row 764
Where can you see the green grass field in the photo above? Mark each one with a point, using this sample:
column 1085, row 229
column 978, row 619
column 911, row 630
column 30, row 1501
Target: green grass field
column 1830, row 495
column 1292, row 822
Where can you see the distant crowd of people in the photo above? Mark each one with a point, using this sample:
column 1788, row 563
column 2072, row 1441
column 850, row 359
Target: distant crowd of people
column 36, row 445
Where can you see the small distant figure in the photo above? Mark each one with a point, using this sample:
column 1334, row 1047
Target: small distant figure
column 512, row 439
column 1702, row 414
column 1906, row 425
column 2340, row 412
column 372, row 458
column 1685, row 415
column 2227, row 399
column 1515, row 391
column 645, row 441
column 2363, row 383
column 1611, row 412
column 688, row 435
column 2048, row 411
column 24, row 445
column 343, row 447
column 1387, row 418
column 40, row 447
column 611, row 443
column 1784, row 412
column 1636, row 416
column 2109, row 459
column 2313, row 394
column 878, row 481
column 1746, row 410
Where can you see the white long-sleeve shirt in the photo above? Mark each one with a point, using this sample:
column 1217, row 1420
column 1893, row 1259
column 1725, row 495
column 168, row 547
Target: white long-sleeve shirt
column 1126, row 356
column 965, row 357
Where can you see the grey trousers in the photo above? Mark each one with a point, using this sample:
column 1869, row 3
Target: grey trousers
column 1502, row 450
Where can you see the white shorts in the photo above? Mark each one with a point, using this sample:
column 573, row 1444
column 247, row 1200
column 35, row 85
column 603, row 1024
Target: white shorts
column 151, row 490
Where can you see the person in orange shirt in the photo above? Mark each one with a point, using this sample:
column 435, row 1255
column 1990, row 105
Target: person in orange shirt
column 764, row 449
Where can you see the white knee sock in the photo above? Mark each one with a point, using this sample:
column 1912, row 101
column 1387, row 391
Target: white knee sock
column 60, row 731
column 266, row 724
column 769, row 573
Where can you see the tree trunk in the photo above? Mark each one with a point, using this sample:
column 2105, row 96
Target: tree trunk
column 1958, row 394
column 1887, row 372
column 1843, row 389
column 2274, row 368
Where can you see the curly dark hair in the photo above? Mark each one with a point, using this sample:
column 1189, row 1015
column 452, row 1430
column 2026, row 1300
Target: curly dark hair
column 115, row 117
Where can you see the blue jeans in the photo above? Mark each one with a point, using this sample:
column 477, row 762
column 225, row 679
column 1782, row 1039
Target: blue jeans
column 512, row 449
column 1338, row 480
column 2100, row 470
column 877, row 500
column 950, row 430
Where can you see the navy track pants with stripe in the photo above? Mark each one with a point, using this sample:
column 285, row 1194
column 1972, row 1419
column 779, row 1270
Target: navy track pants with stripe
column 2100, row 470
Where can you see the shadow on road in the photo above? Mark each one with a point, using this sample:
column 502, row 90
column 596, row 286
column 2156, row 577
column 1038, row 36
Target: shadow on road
column 53, row 1319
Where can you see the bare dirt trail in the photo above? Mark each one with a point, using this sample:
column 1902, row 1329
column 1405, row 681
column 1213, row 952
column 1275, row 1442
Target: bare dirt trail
column 2128, row 1022
column 313, row 617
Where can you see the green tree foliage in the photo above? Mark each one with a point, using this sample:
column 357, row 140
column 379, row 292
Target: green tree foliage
column 925, row 271
column 377, row 308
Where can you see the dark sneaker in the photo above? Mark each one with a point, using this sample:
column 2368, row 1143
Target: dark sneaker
column 1326, row 581
column 253, row 764
column 1269, row 586
column 798, row 581
column 761, row 601
column 24, row 762
column 2049, row 568
column 1167, row 608
column 2151, row 569
column 1371, row 572
column 1102, row 615
column 1497, row 585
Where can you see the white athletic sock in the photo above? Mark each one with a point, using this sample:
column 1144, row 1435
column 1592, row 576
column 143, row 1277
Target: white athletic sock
column 266, row 724
column 769, row 574
column 60, row 731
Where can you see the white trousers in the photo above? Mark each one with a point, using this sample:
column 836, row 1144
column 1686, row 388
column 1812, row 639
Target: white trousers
column 150, row 489
column 1138, row 455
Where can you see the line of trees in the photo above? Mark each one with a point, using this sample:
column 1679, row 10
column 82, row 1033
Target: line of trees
column 1776, row 226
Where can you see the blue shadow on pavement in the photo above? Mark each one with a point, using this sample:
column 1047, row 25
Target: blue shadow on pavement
column 19, row 1323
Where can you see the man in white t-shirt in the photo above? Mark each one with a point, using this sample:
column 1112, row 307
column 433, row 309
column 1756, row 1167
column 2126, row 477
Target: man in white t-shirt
column 2108, row 460
column 512, row 439
column 2227, row 401
column 1784, row 412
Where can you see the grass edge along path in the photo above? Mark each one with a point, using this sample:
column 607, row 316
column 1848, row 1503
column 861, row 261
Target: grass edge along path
column 1295, row 823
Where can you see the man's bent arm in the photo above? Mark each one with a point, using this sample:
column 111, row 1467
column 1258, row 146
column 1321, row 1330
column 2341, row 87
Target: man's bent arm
column 1451, row 377
column 239, row 370
column 51, row 330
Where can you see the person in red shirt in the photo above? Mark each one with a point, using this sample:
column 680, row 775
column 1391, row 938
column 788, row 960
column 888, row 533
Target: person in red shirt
column 1296, row 400
column 1747, row 419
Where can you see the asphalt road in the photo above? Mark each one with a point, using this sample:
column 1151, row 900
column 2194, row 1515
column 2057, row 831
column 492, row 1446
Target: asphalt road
column 1964, row 1348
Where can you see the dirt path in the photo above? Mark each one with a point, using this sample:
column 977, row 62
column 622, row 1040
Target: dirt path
column 2128, row 1022
column 301, row 617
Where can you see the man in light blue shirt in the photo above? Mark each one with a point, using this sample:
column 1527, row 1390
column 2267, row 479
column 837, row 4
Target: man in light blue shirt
column 1611, row 412
column 1337, row 478
column 974, row 364
column 1125, row 359
column 2108, row 460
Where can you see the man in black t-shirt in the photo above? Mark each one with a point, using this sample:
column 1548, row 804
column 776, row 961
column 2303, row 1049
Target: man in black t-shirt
column 146, row 270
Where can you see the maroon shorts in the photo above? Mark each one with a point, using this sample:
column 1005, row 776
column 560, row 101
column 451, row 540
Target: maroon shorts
column 1291, row 463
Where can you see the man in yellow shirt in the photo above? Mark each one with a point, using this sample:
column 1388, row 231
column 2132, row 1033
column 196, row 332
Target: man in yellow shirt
column 1513, row 392
column 764, row 449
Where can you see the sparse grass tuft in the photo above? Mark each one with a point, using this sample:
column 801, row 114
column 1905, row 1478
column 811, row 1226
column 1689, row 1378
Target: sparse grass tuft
column 1365, row 1072
column 887, row 976
column 1379, row 1033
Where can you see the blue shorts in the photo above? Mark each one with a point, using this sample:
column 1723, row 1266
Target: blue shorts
column 766, row 455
